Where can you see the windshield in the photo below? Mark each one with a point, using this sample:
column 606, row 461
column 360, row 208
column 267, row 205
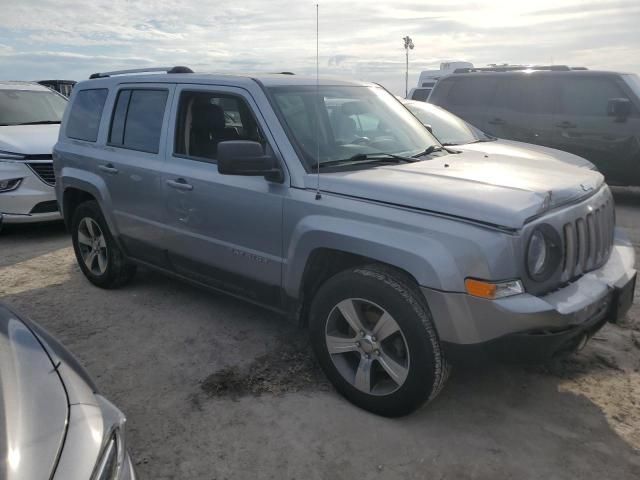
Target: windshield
column 634, row 82
column 19, row 107
column 446, row 127
column 345, row 121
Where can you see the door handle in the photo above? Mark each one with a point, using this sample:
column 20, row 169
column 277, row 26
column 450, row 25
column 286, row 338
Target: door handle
column 497, row 121
column 180, row 184
column 566, row 125
column 108, row 168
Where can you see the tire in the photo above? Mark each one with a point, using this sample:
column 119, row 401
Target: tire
column 392, row 374
column 90, row 236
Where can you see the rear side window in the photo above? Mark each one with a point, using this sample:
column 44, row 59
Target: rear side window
column 471, row 91
column 85, row 114
column 137, row 119
column 588, row 96
column 527, row 95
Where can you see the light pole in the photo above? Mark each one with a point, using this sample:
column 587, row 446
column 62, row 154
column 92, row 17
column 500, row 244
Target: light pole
column 408, row 45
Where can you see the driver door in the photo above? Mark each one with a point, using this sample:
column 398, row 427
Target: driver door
column 225, row 230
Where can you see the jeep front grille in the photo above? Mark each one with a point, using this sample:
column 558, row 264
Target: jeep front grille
column 588, row 241
column 44, row 170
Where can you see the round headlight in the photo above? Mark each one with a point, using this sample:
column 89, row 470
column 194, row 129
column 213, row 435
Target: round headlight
column 537, row 254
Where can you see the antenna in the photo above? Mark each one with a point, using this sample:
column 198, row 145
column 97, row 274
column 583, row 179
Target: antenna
column 318, row 196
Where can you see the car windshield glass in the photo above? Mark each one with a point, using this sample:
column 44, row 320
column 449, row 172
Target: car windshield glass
column 347, row 122
column 634, row 82
column 446, row 127
column 18, row 107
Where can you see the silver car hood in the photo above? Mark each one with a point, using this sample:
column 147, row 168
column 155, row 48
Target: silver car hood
column 525, row 150
column 29, row 139
column 33, row 404
column 493, row 189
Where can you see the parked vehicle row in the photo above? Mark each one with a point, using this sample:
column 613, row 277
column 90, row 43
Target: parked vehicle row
column 30, row 116
column 453, row 131
column 329, row 202
column 593, row 114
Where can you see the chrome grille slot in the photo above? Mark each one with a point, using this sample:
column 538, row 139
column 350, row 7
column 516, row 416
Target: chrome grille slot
column 570, row 246
column 44, row 170
column 583, row 246
column 588, row 241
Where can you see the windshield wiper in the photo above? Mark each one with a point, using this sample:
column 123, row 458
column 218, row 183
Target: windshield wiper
column 39, row 122
column 429, row 150
column 360, row 158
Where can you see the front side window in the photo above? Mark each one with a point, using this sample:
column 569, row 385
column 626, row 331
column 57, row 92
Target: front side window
column 85, row 114
column 588, row 96
column 137, row 119
column 29, row 107
column 207, row 118
column 339, row 122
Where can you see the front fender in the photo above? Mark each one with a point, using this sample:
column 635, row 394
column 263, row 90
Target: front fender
column 426, row 258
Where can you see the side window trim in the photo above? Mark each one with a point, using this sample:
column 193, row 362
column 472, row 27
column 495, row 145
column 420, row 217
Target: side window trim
column 131, row 89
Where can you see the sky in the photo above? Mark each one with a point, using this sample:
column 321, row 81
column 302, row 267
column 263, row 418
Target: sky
column 71, row 39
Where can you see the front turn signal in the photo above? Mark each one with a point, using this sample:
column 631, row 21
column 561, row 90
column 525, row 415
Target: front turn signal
column 493, row 290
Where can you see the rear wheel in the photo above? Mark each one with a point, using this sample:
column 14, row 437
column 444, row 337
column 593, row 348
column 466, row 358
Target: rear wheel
column 373, row 335
column 99, row 257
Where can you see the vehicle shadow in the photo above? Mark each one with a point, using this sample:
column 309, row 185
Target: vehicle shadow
column 158, row 346
column 23, row 242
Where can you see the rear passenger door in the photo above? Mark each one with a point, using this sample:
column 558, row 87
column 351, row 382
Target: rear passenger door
column 523, row 109
column 468, row 97
column 132, row 167
column 224, row 230
column 583, row 126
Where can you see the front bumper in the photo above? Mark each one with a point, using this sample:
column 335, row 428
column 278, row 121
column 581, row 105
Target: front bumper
column 526, row 327
column 24, row 205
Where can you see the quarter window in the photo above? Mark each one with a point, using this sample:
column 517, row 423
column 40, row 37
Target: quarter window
column 206, row 118
column 137, row 119
column 472, row 91
column 85, row 114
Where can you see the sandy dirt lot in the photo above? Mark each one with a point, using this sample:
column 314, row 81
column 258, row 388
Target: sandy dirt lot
column 215, row 389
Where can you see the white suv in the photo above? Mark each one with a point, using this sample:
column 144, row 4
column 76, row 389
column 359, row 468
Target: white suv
column 30, row 117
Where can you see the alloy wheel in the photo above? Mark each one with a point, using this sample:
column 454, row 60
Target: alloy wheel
column 367, row 346
column 93, row 246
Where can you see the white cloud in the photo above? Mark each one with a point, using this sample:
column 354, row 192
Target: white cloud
column 357, row 38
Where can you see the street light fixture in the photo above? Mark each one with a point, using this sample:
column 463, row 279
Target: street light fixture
column 408, row 45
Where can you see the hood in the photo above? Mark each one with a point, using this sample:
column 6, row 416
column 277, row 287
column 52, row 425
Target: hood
column 29, row 139
column 33, row 404
column 528, row 151
column 494, row 189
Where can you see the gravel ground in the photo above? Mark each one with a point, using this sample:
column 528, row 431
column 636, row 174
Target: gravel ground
column 216, row 389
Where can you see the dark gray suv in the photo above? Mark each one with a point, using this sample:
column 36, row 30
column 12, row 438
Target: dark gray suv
column 332, row 204
column 593, row 114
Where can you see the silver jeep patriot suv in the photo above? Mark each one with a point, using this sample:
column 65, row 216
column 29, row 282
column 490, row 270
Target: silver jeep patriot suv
column 327, row 201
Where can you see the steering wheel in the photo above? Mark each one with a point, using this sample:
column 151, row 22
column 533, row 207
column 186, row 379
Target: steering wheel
column 361, row 140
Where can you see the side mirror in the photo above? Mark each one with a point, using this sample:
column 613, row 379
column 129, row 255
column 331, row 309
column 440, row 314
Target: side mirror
column 245, row 157
column 619, row 108
column 428, row 127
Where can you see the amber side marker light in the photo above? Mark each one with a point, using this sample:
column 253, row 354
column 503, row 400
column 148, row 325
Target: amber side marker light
column 493, row 290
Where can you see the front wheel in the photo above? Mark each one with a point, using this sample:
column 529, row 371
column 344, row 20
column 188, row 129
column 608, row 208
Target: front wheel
column 373, row 335
column 98, row 255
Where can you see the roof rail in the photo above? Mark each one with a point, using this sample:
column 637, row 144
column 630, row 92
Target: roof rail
column 177, row 69
column 515, row 68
